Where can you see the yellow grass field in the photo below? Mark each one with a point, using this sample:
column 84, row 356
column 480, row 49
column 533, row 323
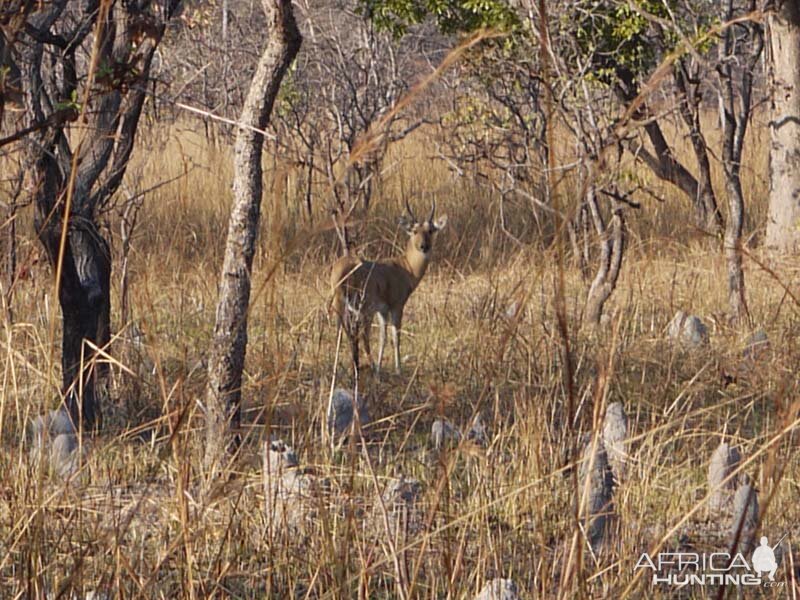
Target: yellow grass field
column 481, row 336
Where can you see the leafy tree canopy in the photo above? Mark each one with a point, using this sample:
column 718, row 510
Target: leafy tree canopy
column 451, row 16
column 615, row 36
column 626, row 39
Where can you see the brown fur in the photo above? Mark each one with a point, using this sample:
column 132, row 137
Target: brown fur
column 362, row 289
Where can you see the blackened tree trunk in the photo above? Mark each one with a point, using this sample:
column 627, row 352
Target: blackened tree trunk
column 74, row 174
column 666, row 166
column 688, row 84
column 783, row 232
column 228, row 347
column 84, row 293
column 663, row 162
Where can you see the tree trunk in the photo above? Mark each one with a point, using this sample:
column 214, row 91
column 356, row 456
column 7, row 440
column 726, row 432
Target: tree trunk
column 310, row 183
column 663, row 162
column 89, row 160
column 665, row 166
column 706, row 209
column 783, row 224
column 226, row 362
column 612, row 246
column 739, row 55
column 579, row 231
column 84, row 287
column 733, row 250
column 84, row 293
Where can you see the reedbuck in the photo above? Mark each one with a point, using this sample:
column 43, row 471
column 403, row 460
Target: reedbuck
column 362, row 289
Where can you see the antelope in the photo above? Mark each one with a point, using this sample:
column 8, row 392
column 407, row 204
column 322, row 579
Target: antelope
column 363, row 289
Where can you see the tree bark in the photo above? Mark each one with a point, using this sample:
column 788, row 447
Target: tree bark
column 665, row 165
column 84, row 287
column 229, row 344
column 612, row 247
column 706, row 209
column 51, row 62
column 85, row 299
column 739, row 55
column 733, row 250
column 783, row 224
column 579, row 231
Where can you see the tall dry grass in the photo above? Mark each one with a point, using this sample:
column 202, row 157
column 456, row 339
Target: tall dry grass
column 480, row 337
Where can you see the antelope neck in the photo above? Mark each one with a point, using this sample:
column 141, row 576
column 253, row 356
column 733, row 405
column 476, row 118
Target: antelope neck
column 415, row 263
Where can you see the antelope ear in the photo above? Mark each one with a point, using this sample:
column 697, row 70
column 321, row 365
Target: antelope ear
column 406, row 224
column 440, row 222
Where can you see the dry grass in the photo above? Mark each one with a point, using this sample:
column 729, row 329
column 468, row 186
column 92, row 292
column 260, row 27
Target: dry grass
column 134, row 524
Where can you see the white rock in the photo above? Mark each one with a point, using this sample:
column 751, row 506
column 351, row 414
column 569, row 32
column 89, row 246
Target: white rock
column 400, row 498
column 512, row 310
column 756, row 346
column 340, row 412
column 598, row 508
column 65, row 455
column 689, row 330
column 444, row 434
column 745, row 515
column 90, row 595
column 723, row 462
column 55, row 445
column 277, row 456
column 403, row 491
column 51, row 424
column 290, row 494
column 615, row 436
column 290, row 498
column 478, row 433
column 675, row 327
column 498, row 589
